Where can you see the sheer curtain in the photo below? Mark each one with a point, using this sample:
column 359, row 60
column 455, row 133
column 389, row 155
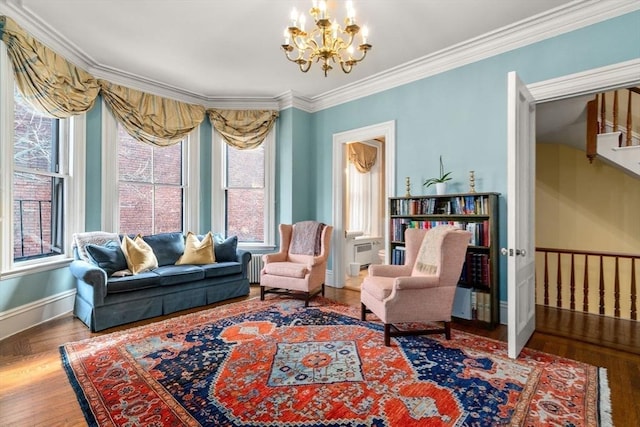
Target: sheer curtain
column 362, row 193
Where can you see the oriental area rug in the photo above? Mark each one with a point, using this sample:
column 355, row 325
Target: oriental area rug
column 277, row 363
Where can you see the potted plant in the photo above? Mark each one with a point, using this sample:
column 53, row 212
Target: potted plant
column 441, row 181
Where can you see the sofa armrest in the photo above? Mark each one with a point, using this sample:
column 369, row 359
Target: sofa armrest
column 243, row 258
column 90, row 275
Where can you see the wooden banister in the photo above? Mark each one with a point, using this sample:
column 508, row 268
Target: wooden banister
column 613, row 280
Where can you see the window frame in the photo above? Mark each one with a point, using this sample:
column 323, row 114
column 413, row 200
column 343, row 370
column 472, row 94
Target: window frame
column 219, row 188
column 73, row 164
column 110, row 219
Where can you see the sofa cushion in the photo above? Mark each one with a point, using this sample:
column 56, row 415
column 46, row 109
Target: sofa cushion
column 147, row 279
column 225, row 249
column 167, row 247
column 108, row 257
column 138, row 254
column 221, row 269
column 174, row 274
column 197, row 251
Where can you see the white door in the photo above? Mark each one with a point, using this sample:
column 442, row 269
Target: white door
column 520, row 215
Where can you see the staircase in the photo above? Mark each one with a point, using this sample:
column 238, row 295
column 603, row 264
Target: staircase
column 607, row 139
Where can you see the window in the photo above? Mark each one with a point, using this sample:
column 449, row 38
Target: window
column 153, row 183
column 243, row 196
column 150, row 184
column 39, row 193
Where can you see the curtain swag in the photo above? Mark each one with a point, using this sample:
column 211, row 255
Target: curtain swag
column 50, row 83
column 363, row 156
column 151, row 118
column 58, row 88
column 243, row 129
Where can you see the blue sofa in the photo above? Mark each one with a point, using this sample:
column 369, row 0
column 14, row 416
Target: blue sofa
column 104, row 299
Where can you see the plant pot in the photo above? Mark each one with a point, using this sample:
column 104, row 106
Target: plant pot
column 441, row 188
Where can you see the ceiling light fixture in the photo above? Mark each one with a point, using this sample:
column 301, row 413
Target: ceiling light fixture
column 327, row 42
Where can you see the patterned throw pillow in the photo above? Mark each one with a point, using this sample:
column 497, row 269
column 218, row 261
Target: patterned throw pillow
column 81, row 240
column 197, row 252
column 139, row 255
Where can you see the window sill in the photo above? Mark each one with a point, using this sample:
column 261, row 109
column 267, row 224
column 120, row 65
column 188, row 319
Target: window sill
column 32, row 268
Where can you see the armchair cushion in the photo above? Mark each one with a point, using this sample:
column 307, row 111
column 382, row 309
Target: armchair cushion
column 286, row 269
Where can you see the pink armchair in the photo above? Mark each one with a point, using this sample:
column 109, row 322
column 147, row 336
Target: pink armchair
column 299, row 269
column 421, row 290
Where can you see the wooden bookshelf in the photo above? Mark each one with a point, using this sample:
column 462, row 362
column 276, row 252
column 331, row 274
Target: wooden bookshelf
column 477, row 296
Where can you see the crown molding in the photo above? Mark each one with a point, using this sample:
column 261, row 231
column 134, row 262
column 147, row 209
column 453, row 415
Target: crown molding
column 554, row 22
column 569, row 17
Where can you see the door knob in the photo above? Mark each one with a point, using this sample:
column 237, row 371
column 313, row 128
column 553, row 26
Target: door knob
column 505, row 251
column 522, row 252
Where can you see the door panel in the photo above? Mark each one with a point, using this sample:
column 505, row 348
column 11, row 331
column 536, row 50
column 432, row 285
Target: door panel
column 520, row 215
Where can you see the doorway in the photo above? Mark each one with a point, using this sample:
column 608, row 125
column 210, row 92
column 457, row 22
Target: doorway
column 588, row 82
column 340, row 244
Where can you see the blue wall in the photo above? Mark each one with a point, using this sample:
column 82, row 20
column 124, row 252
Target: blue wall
column 459, row 114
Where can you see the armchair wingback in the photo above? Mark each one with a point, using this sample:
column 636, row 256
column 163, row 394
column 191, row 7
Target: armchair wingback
column 299, row 268
column 421, row 290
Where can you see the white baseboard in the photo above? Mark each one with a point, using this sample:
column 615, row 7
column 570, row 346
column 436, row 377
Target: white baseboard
column 29, row 315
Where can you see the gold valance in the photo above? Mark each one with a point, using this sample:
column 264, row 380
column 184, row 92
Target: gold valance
column 49, row 82
column 363, row 156
column 243, row 129
column 151, row 118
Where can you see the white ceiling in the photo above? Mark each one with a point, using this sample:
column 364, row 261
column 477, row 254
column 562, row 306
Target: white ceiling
column 231, row 48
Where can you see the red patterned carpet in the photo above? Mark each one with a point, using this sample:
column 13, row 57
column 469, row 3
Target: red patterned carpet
column 275, row 363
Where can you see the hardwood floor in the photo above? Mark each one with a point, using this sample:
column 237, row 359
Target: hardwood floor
column 34, row 390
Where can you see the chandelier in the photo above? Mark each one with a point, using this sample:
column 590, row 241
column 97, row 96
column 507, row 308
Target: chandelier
column 327, row 42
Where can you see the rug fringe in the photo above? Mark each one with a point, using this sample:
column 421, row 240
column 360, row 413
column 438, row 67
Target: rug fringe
column 604, row 395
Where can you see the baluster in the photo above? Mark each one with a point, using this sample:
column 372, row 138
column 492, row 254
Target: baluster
column 585, row 285
column 546, row 280
column 603, row 113
column 616, row 291
column 601, row 286
column 629, row 126
column 572, row 286
column 559, row 284
column 615, row 111
column 633, row 290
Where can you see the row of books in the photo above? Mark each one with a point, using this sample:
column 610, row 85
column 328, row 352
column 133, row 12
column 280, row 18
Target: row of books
column 480, row 235
column 459, row 205
column 481, row 306
column 472, row 304
column 476, row 270
column 397, row 255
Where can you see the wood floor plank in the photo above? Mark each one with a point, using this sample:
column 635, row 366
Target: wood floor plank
column 35, row 391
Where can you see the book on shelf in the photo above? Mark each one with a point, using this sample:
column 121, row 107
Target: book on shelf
column 398, row 255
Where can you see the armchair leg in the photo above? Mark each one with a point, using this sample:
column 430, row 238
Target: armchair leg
column 261, row 293
column 322, row 289
column 387, row 334
column 447, row 330
column 363, row 311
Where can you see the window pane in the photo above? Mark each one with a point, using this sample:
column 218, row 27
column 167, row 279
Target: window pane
column 245, row 168
column 134, row 158
column 245, row 214
column 167, row 164
column 136, row 208
column 168, row 213
column 35, row 137
column 32, row 210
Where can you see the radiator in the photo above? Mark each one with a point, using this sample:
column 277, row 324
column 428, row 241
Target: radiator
column 255, row 265
column 363, row 253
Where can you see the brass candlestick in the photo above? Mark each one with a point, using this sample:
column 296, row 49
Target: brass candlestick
column 472, row 182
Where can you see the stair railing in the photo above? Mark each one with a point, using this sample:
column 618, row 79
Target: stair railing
column 610, row 278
